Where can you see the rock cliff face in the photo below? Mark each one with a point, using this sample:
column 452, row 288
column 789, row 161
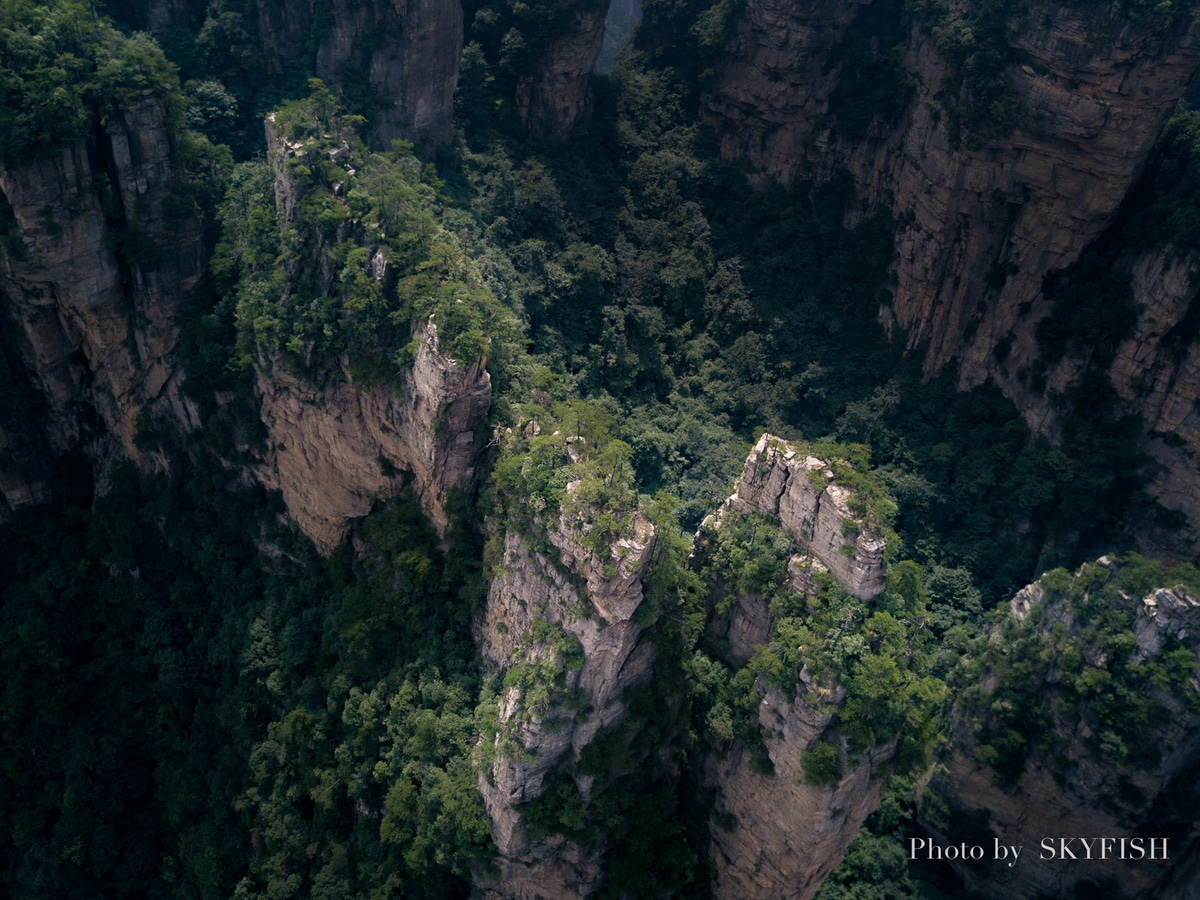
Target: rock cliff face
column 334, row 445
column 800, row 491
column 1069, row 785
column 779, row 835
column 558, row 93
column 406, row 53
column 981, row 222
column 559, row 624
column 1094, row 93
column 1157, row 374
column 92, row 278
column 776, row 835
column 333, row 449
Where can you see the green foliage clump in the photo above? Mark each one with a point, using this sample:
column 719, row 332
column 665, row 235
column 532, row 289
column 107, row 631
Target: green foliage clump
column 200, row 706
column 64, row 68
column 574, row 466
column 1081, row 664
column 975, row 39
column 877, row 863
column 1168, row 207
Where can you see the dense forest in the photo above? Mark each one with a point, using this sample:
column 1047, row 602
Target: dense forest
column 199, row 702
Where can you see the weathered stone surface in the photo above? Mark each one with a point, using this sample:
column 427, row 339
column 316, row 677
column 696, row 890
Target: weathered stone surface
column 775, row 482
column 408, row 52
column 335, row 448
column 982, row 223
column 557, row 94
column 1075, row 790
column 1157, row 374
column 94, row 331
column 1027, row 202
column 582, row 598
column 778, row 836
column 788, row 835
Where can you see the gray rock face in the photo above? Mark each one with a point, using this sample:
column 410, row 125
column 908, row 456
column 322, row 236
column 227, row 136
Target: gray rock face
column 567, row 622
column 93, row 330
column 776, row 835
column 775, row 481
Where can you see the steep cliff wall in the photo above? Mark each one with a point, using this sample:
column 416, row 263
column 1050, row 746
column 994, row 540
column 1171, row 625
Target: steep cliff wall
column 1157, row 372
column 559, row 623
column 1100, row 736
column 405, row 54
column 778, row 835
column 396, row 61
column 983, row 214
column 333, row 449
column 557, row 94
column 781, row 833
column 98, row 267
column 985, row 218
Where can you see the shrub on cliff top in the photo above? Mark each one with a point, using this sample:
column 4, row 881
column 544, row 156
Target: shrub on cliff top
column 362, row 259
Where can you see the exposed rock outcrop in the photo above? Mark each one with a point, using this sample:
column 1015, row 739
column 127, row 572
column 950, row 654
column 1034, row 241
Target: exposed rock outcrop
column 802, row 493
column 90, row 286
column 333, row 449
column 559, row 623
column 335, row 445
column 557, row 94
column 1073, row 782
column 780, row 835
column 406, row 53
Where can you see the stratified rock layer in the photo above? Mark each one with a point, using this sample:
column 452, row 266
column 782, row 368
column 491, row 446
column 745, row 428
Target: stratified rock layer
column 92, row 329
column 1095, row 92
column 572, row 615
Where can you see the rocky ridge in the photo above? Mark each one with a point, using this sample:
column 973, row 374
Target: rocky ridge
column 559, row 623
column 801, row 492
